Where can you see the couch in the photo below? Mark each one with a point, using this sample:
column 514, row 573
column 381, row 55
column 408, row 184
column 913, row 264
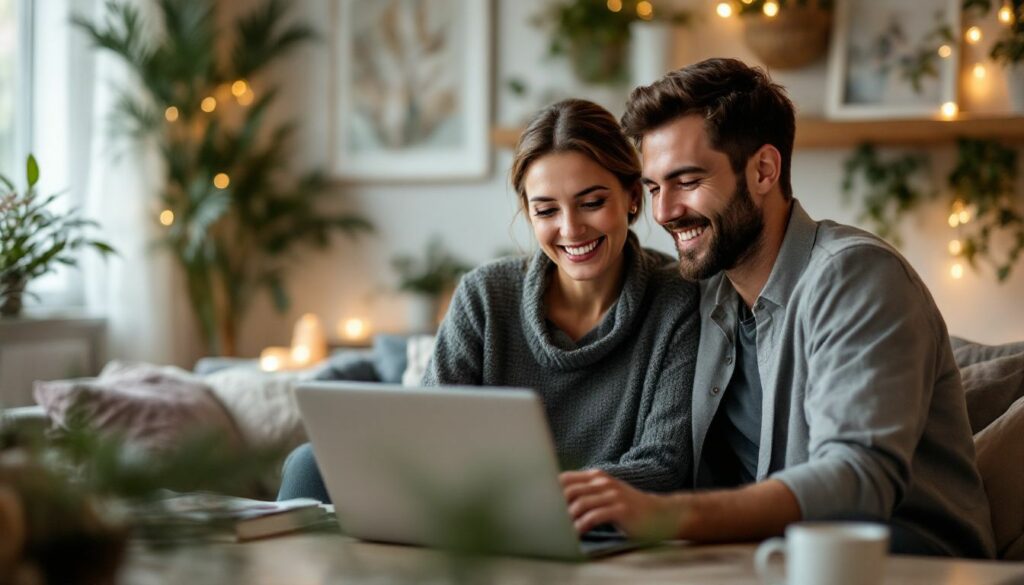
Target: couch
column 260, row 409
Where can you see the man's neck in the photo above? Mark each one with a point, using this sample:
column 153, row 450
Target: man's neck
column 750, row 276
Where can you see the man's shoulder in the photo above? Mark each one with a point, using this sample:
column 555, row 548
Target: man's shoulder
column 839, row 248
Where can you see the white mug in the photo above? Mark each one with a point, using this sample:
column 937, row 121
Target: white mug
column 836, row 553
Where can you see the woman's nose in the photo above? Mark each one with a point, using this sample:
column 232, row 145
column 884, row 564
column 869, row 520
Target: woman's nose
column 572, row 227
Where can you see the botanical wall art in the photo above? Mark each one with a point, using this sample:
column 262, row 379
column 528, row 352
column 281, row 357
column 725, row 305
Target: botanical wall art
column 893, row 59
column 412, row 89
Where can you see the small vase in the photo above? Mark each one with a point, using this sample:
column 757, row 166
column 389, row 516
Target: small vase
column 1015, row 87
column 13, row 292
column 793, row 39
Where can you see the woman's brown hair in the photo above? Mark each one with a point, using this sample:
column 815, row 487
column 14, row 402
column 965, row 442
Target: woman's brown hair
column 576, row 125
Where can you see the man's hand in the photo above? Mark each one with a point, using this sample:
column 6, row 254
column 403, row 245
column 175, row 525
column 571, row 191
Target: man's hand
column 596, row 498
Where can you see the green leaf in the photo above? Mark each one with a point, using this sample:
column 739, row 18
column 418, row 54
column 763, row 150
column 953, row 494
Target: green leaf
column 32, row 171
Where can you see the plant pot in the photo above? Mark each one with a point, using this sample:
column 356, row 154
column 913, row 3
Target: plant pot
column 795, row 37
column 12, row 291
column 1015, row 87
column 598, row 62
column 421, row 313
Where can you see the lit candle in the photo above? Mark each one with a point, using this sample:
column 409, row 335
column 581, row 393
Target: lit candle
column 274, row 359
column 309, row 344
column 353, row 329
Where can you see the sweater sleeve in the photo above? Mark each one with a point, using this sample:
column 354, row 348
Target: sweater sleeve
column 458, row 351
column 661, row 456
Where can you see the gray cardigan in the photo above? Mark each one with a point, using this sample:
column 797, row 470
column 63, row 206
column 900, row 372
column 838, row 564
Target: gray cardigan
column 619, row 398
column 864, row 414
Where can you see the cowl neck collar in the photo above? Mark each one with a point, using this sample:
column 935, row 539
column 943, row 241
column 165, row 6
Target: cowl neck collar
column 618, row 323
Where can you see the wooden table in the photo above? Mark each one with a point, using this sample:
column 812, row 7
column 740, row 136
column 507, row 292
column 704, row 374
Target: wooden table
column 326, row 558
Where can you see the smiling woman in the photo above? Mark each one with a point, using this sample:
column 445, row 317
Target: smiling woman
column 602, row 329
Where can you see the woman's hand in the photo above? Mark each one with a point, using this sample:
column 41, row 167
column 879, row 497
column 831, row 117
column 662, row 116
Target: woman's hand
column 595, row 498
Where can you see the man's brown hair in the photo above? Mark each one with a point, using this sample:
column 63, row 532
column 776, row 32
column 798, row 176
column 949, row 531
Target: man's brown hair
column 576, row 125
column 742, row 110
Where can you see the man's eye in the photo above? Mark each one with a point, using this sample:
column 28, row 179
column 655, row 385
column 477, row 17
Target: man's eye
column 689, row 184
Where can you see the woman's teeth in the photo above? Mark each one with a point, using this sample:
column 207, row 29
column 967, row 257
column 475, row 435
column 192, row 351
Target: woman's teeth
column 581, row 250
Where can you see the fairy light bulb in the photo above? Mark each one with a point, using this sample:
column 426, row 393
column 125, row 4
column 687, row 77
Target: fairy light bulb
column 171, row 114
column 979, row 71
column 724, row 9
column 955, row 247
column 208, row 104
column 615, row 5
column 1006, row 14
column 221, row 181
column 770, row 9
column 950, row 110
column 644, row 10
column 973, row 35
column 945, row 51
column 954, row 219
column 166, row 217
column 956, row 270
column 239, row 87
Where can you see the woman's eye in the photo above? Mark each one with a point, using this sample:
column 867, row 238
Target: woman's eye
column 543, row 212
column 596, row 204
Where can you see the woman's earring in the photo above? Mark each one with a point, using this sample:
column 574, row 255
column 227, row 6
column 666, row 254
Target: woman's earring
column 632, row 210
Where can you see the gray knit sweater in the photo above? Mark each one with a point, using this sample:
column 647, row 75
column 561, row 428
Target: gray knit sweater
column 618, row 398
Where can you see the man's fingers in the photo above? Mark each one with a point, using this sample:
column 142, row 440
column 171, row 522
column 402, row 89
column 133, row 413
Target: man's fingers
column 582, row 505
column 605, row 515
column 581, row 489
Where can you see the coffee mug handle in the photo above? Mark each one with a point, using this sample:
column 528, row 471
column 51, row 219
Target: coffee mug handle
column 764, row 553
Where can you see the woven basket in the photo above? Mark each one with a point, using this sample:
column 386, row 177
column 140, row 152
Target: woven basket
column 796, row 37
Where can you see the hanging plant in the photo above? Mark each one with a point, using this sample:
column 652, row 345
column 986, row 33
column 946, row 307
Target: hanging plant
column 986, row 210
column 885, row 189
column 594, row 34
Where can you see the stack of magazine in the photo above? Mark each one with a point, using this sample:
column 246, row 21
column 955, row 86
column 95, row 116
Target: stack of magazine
column 180, row 516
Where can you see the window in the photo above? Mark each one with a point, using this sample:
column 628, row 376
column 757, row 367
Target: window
column 40, row 66
column 13, row 94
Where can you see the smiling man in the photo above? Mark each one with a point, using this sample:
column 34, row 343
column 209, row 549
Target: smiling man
column 825, row 386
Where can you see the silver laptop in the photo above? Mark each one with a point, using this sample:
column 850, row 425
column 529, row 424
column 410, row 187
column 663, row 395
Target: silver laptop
column 467, row 468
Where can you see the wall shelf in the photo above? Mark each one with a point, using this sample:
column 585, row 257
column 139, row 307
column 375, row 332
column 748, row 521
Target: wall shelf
column 821, row 133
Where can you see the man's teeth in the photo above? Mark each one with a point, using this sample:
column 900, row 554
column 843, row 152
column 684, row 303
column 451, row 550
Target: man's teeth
column 581, row 250
column 689, row 234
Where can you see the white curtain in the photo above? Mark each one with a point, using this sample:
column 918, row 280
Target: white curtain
column 137, row 290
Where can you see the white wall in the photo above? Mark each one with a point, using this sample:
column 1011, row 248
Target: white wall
column 475, row 218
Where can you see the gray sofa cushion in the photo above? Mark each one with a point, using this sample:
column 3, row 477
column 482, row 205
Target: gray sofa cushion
column 993, row 377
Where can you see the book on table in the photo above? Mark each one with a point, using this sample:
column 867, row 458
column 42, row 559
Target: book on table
column 244, row 518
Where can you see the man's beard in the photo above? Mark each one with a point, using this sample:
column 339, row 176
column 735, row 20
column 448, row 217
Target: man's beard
column 735, row 234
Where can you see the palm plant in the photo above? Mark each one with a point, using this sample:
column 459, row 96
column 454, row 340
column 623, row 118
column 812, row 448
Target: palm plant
column 234, row 213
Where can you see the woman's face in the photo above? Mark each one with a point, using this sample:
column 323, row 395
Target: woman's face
column 579, row 212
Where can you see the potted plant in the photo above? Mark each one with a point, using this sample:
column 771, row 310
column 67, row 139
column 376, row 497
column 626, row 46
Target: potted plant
column 236, row 213
column 35, row 240
column 595, row 34
column 427, row 281
column 790, row 35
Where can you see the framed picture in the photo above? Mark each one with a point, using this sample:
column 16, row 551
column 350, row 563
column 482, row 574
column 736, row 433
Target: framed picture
column 893, row 59
column 412, row 89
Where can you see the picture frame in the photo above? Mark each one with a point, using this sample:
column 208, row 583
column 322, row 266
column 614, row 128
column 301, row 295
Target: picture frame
column 412, row 90
column 874, row 48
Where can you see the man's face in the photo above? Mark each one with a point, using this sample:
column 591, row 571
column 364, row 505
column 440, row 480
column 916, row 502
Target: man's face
column 696, row 197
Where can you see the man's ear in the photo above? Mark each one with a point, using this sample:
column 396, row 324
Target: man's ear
column 763, row 170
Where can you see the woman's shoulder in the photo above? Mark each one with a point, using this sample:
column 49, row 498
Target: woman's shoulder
column 664, row 270
column 500, row 274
